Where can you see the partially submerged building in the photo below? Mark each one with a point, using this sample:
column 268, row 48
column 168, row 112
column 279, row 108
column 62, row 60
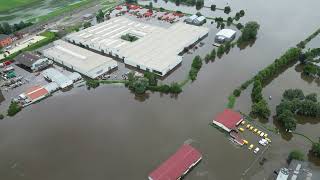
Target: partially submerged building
column 196, row 20
column 297, row 170
column 228, row 120
column 5, row 40
column 157, row 49
column 33, row 61
column 56, row 76
column 32, row 95
column 225, row 35
column 79, row 59
column 177, row 165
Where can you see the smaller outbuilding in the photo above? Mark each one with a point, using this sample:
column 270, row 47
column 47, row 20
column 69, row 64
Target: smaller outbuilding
column 5, row 40
column 56, row 76
column 87, row 16
column 199, row 21
column 33, row 61
column 190, row 19
column 228, row 120
column 225, row 35
column 32, row 95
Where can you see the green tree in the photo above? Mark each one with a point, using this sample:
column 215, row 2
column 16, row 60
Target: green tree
column 152, row 78
column 310, row 70
column 227, row 9
column 14, row 108
column 207, row 58
column 175, row 88
column 1, row 29
column 199, row 4
column 177, row 2
column 312, row 97
column 227, row 47
column 1, row 116
column 237, row 16
column 291, row 94
column 286, row 118
column 140, row 85
column 236, row 92
column 261, row 109
column 86, row 25
column 242, row 13
column 100, row 16
column 213, row 54
column 315, row 150
column 213, row 7
column 297, row 155
column 256, row 94
column 150, row 6
column 239, row 26
column 220, row 51
column 249, row 32
column 6, row 28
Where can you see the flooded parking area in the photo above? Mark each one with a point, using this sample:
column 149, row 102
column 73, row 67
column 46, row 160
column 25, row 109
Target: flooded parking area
column 109, row 133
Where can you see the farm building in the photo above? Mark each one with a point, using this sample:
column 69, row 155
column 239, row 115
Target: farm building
column 33, row 61
column 225, row 35
column 79, row 59
column 146, row 53
column 56, row 76
column 228, row 120
column 177, row 165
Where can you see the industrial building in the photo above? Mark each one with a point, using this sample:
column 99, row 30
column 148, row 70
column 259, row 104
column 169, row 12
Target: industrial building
column 79, row 59
column 56, row 76
column 32, row 95
column 297, row 170
column 225, row 35
column 177, row 165
column 196, row 20
column 33, row 61
column 228, row 120
column 156, row 50
column 5, row 40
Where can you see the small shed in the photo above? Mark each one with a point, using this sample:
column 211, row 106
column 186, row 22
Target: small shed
column 225, row 35
column 190, row 19
column 199, row 20
column 228, row 120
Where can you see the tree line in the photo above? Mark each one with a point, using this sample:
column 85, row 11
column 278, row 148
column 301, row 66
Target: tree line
column 6, row 28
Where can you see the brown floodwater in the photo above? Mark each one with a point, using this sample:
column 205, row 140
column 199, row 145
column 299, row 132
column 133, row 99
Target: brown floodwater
column 108, row 133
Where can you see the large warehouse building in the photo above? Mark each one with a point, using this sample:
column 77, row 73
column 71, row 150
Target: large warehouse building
column 157, row 49
column 79, row 59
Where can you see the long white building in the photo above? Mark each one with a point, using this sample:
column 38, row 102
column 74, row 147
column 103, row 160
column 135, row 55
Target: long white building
column 157, row 49
column 79, row 59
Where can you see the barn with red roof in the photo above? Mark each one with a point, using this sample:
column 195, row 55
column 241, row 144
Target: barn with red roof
column 177, row 165
column 228, row 120
column 36, row 93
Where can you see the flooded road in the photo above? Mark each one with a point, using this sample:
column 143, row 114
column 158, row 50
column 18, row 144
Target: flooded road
column 107, row 133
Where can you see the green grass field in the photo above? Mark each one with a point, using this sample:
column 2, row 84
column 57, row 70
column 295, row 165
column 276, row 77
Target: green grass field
column 7, row 5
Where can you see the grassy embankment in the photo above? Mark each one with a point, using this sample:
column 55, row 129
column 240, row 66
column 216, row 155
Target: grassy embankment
column 50, row 37
column 7, row 5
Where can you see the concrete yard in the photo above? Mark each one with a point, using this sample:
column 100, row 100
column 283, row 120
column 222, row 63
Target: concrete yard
column 79, row 59
column 157, row 48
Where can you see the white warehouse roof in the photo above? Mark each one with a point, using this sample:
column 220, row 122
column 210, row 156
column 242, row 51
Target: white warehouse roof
column 156, row 49
column 228, row 33
column 56, row 76
column 79, row 59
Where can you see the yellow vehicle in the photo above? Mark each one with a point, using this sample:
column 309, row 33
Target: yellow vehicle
column 251, row 128
column 251, row 146
column 245, row 142
column 243, row 122
column 269, row 140
column 265, row 135
column 248, row 126
column 258, row 132
column 255, row 130
column 241, row 129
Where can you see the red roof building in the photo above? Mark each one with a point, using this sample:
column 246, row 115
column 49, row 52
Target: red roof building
column 36, row 93
column 177, row 165
column 228, row 120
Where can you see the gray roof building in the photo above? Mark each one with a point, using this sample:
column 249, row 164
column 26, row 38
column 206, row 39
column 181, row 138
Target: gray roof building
column 33, row 61
column 297, row 170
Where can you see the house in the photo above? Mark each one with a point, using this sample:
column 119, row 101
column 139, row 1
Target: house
column 297, row 170
column 5, row 40
column 190, row 19
column 33, row 61
column 177, row 165
column 225, row 35
column 228, row 120
column 199, row 20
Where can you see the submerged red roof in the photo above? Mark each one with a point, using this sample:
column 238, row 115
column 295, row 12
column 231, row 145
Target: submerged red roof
column 36, row 92
column 228, row 118
column 177, row 164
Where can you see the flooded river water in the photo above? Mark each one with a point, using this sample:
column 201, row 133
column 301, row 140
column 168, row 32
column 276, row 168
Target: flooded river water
column 107, row 133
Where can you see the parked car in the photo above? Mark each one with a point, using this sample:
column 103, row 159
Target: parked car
column 263, row 142
column 256, row 150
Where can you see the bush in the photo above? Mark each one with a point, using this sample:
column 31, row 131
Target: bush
column 195, row 68
column 220, row 51
column 291, row 94
column 312, row 97
column 315, row 150
column 231, row 101
column 256, row 94
column 242, row 13
column 213, row 7
column 14, row 108
column 1, row 116
column 297, row 155
column 152, row 78
column 227, row 9
column 261, row 109
column 236, row 92
column 175, row 88
column 249, row 32
column 91, row 83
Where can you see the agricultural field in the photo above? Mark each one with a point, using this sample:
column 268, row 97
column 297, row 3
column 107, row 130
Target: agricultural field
column 7, row 5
